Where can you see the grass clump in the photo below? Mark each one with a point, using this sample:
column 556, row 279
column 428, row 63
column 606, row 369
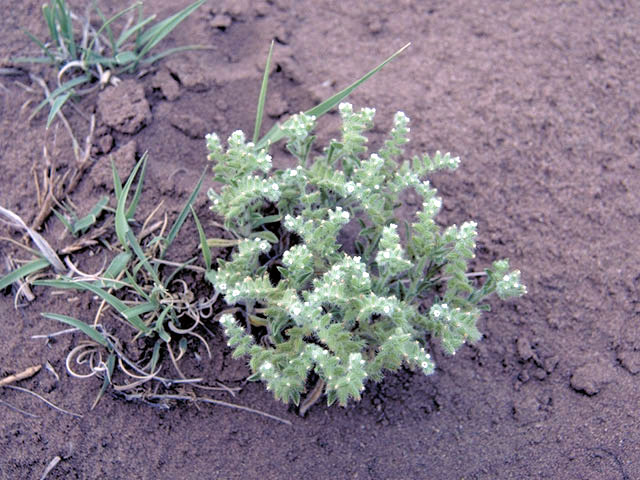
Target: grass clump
column 87, row 56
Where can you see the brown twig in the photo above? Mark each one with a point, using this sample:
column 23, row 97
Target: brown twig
column 312, row 398
column 29, row 372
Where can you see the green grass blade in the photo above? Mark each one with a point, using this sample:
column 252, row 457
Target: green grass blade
column 62, row 89
column 117, row 183
column 121, row 221
column 56, row 106
column 155, row 356
column 177, row 225
column 222, row 242
column 150, row 38
column 117, row 265
column 42, row 46
column 88, row 330
column 106, row 25
column 276, row 133
column 48, row 14
column 113, row 301
column 131, row 211
column 63, row 18
column 115, row 268
column 137, row 249
column 204, row 246
column 89, row 219
column 131, row 280
column 125, row 57
column 111, row 363
column 23, row 271
column 63, row 220
column 139, row 310
column 47, row 60
column 263, row 96
column 124, row 36
column 170, row 278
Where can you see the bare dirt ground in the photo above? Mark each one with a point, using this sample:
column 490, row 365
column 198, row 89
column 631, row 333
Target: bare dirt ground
column 541, row 100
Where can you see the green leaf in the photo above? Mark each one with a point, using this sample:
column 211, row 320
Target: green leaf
column 138, row 310
column 49, row 56
column 111, row 363
column 126, row 57
column 88, row 220
column 56, row 106
column 276, row 133
column 49, row 18
column 106, row 25
column 88, row 330
column 115, row 302
column 122, row 222
column 131, row 211
column 124, row 36
column 222, row 242
column 263, row 96
column 177, row 225
column 23, row 271
column 265, row 235
column 154, row 35
column 204, row 246
column 115, row 268
column 132, row 241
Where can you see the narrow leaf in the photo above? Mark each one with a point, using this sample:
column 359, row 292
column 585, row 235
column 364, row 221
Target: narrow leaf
column 177, row 225
column 156, row 34
column 23, row 271
column 204, row 246
column 276, row 133
column 263, row 96
column 88, row 330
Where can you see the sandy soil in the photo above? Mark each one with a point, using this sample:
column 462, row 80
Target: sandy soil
column 541, row 100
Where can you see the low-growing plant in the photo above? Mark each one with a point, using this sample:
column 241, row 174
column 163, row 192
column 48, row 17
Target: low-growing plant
column 88, row 56
column 307, row 299
column 139, row 285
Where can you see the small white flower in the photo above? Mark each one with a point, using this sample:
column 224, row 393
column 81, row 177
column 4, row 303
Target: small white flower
column 293, row 173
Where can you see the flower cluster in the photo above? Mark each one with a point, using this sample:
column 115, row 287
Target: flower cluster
column 346, row 313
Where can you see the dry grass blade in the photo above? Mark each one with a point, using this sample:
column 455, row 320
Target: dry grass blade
column 19, row 410
column 40, row 397
column 47, row 251
column 220, row 403
column 57, row 191
column 52, row 464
